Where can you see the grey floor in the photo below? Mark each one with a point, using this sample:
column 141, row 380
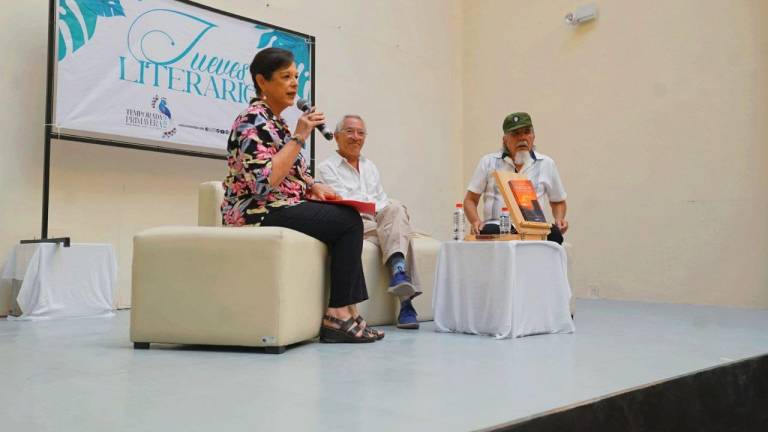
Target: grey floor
column 83, row 375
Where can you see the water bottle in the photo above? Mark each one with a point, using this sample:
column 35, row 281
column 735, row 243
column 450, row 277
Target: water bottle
column 458, row 222
column 504, row 224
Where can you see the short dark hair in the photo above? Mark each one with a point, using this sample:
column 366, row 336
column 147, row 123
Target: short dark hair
column 267, row 61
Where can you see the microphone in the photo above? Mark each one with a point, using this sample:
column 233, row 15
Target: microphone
column 304, row 106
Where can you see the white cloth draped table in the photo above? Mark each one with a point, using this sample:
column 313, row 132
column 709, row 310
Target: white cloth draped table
column 63, row 282
column 502, row 288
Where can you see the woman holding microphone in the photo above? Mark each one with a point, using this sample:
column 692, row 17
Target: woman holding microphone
column 267, row 183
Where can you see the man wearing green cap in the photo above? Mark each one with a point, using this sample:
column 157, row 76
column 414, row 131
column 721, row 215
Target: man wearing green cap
column 518, row 155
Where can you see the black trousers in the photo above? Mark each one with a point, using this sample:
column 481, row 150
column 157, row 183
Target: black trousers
column 554, row 234
column 341, row 229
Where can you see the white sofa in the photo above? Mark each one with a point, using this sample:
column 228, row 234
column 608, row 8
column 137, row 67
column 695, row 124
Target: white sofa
column 256, row 286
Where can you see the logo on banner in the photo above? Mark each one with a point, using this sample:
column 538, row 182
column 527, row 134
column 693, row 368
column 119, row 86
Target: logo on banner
column 167, row 51
column 160, row 118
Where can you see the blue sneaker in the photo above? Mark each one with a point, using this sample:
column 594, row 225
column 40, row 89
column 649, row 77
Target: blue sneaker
column 401, row 286
column 407, row 318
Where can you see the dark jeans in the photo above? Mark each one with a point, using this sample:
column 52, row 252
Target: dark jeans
column 341, row 229
column 554, row 234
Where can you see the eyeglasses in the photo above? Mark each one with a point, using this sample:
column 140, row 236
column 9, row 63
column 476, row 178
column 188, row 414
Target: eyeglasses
column 352, row 131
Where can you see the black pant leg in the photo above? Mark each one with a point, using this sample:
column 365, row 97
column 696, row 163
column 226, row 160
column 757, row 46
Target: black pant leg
column 341, row 229
column 555, row 235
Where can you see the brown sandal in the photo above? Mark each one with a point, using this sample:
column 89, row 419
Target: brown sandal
column 379, row 335
column 345, row 333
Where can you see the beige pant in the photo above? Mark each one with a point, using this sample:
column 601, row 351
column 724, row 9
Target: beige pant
column 391, row 231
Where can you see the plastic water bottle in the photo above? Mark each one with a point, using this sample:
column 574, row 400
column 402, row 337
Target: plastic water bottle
column 504, row 223
column 458, row 222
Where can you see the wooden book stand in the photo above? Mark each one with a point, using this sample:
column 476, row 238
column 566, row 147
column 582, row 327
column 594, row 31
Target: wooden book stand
column 524, row 209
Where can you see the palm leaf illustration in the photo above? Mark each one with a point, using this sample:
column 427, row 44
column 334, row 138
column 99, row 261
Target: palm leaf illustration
column 77, row 22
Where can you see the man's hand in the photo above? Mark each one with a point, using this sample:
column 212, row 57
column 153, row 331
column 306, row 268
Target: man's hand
column 562, row 224
column 322, row 192
column 558, row 212
column 470, row 209
column 474, row 227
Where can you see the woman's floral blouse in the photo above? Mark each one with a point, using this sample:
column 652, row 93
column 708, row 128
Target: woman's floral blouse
column 256, row 136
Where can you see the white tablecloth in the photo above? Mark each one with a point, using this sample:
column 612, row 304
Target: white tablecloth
column 59, row 282
column 502, row 288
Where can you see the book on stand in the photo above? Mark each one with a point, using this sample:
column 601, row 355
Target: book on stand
column 525, row 210
column 525, row 196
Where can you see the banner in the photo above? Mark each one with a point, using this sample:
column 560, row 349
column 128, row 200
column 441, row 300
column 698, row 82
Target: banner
column 166, row 72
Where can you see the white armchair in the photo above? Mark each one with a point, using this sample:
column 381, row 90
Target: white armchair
column 191, row 284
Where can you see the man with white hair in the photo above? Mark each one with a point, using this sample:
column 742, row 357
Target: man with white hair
column 517, row 155
column 355, row 177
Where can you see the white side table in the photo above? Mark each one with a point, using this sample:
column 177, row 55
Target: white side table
column 62, row 282
column 502, row 288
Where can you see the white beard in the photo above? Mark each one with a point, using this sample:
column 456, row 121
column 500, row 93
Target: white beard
column 522, row 157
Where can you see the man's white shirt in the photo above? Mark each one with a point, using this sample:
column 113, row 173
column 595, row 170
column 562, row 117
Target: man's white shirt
column 543, row 174
column 365, row 185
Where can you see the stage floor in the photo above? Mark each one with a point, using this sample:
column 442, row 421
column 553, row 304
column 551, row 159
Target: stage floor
column 83, row 375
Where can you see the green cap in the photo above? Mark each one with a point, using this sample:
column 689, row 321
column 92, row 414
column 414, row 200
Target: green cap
column 516, row 121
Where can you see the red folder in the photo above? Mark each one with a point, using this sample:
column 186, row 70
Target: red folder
column 360, row 206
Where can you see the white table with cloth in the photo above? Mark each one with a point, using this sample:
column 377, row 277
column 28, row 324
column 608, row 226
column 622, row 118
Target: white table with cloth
column 502, row 288
column 53, row 281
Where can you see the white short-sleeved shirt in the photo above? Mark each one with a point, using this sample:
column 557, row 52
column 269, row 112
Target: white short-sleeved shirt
column 541, row 170
column 365, row 185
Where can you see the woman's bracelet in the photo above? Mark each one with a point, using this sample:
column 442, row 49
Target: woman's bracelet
column 302, row 143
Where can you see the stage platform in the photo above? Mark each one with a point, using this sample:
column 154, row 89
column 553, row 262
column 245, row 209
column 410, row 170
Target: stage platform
column 628, row 365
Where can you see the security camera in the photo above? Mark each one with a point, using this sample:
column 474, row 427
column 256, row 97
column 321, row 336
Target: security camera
column 582, row 14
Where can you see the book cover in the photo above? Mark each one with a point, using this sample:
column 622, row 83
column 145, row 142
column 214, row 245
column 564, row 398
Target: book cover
column 360, row 206
column 525, row 196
